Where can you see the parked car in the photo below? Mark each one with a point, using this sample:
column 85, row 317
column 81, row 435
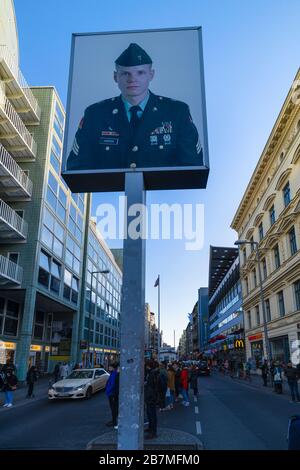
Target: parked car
column 203, row 368
column 81, row 383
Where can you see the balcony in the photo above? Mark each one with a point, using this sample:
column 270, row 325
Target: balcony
column 17, row 89
column 14, row 135
column 10, row 273
column 14, row 183
column 12, row 226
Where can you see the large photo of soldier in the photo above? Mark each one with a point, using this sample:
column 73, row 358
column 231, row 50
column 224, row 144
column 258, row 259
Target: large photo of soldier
column 137, row 128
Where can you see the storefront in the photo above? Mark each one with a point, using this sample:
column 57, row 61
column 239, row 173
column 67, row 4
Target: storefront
column 7, row 351
column 280, row 348
column 257, row 348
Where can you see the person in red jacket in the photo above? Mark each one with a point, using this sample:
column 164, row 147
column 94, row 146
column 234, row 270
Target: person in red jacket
column 184, row 378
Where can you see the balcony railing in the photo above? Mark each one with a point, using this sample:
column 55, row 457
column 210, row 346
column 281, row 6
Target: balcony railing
column 16, row 121
column 13, row 169
column 10, row 271
column 18, row 76
column 18, row 225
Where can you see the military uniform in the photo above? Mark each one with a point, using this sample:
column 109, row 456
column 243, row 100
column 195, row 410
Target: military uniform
column 166, row 136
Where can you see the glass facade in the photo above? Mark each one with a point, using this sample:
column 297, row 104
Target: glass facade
column 103, row 297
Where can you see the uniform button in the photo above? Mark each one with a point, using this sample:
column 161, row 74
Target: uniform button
column 106, row 148
column 133, row 165
column 161, row 147
column 115, row 111
column 135, row 148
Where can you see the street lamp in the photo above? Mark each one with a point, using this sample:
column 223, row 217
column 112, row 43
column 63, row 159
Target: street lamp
column 104, row 271
column 267, row 342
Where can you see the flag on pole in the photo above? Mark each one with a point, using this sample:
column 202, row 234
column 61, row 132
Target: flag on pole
column 156, row 282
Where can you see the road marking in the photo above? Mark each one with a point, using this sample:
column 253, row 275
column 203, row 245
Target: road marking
column 198, row 427
column 196, row 410
column 195, row 399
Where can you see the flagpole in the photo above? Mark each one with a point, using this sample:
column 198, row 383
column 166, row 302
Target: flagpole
column 158, row 319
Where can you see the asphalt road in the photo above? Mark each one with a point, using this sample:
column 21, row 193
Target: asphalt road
column 227, row 414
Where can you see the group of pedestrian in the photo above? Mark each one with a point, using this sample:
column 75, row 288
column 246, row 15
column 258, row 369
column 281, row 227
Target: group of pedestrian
column 275, row 373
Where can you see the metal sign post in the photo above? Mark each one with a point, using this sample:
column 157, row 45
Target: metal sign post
column 131, row 396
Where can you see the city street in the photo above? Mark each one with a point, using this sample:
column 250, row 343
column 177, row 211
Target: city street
column 228, row 414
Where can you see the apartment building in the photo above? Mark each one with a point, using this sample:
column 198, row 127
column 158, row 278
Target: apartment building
column 269, row 216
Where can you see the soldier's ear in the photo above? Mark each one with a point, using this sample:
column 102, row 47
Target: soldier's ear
column 115, row 76
column 152, row 73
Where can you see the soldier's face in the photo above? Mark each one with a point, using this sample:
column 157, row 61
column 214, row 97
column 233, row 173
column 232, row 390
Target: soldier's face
column 133, row 81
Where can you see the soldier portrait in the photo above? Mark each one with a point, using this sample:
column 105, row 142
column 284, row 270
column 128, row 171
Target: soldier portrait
column 136, row 128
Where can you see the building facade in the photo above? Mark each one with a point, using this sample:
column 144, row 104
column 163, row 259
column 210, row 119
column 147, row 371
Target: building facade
column 44, row 228
column 203, row 318
column 101, row 302
column 269, row 215
column 225, row 313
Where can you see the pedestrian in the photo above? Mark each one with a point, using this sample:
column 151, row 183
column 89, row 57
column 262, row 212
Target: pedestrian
column 248, row 370
column 185, row 386
column 64, row 370
column 162, row 386
column 31, row 378
column 264, row 372
column 194, row 380
column 112, row 393
column 57, row 371
column 137, row 127
column 291, row 374
column 170, row 395
column 9, row 386
column 277, row 378
column 177, row 370
column 151, row 397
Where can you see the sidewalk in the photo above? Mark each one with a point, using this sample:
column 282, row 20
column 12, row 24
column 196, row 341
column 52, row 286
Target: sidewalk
column 19, row 396
column 257, row 382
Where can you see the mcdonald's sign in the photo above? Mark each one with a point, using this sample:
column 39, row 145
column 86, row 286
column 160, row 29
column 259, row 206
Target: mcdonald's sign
column 239, row 344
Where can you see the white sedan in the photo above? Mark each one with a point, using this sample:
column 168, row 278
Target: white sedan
column 81, row 383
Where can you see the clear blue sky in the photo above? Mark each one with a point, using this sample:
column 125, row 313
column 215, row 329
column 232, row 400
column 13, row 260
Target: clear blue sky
column 251, row 55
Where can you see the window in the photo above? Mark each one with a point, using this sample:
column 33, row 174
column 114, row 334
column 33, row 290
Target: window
column 254, row 278
column 71, row 287
column 11, row 319
column 264, row 265
column 38, row 331
column 56, row 146
column 55, row 162
column 247, row 285
column 249, row 319
column 281, row 303
column 59, row 115
column 55, row 276
column 56, row 197
column 252, row 244
column 52, row 233
column 293, row 242
column 257, row 315
column 261, row 231
column 276, row 257
column 58, row 128
column 286, row 194
column 297, row 294
column 268, row 310
column 272, row 215
column 14, row 257
column 44, row 269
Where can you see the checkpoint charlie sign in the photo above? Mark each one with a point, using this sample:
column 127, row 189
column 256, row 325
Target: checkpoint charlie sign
column 136, row 102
